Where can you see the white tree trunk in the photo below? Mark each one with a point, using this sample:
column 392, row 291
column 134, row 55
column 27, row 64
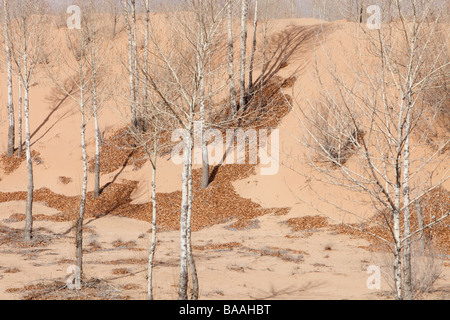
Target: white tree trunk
column 131, row 60
column 135, row 66
column 29, row 205
column 205, row 160
column 243, row 93
column 263, row 67
column 397, row 252
column 146, row 55
column 97, row 156
column 19, row 121
column 97, row 129
column 187, row 163
column 396, row 216
column 191, row 260
column 80, row 220
column 154, row 233
column 407, row 276
column 231, row 58
column 252, row 55
column 11, row 128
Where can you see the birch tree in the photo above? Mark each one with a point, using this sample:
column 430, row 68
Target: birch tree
column 78, row 79
column 231, row 58
column 177, row 80
column 27, row 40
column 372, row 130
column 263, row 56
column 11, row 128
column 253, row 51
column 152, row 154
column 243, row 56
column 148, row 137
column 157, row 123
column 101, row 89
column 20, row 121
column 129, row 11
column 150, row 141
column 145, row 89
column 95, row 108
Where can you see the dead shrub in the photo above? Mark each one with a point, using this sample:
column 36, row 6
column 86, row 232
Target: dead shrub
column 426, row 267
column 332, row 137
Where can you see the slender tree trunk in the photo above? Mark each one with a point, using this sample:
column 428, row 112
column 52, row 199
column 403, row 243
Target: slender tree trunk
column 396, row 226
column 97, row 156
column 231, row 58
column 145, row 85
column 205, row 160
column 154, row 232
column 20, row 142
column 397, row 257
column 29, row 205
column 131, row 63
column 263, row 67
column 155, row 155
column 243, row 93
column 252, row 55
column 407, row 276
column 210, row 91
column 97, row 129
column 184, row 276
column 80, row 221
column 137, row 115
column 191, row 260
column 28, row 230
column 11, row 128
column 146, row 53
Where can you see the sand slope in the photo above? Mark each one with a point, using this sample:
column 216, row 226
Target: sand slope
column 267, row 261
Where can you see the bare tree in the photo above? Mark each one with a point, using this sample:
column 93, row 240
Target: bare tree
column 129, row 11
column 145, row 87
column 153, row 156
column 177, row 80
column 263, row 56
column 231, row 58
column 148, row 137
column 101, row 88
column 150, row 141
column 252, row 54
column 97, row 129
column 27, row 41
column 369, row 130
column 243, row 57
column 79, row 81
column 19, row 121
column 11, row 128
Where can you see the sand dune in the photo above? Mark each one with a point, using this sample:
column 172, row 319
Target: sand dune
column 268, row 260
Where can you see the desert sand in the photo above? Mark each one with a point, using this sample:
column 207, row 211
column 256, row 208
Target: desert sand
column 268, row 259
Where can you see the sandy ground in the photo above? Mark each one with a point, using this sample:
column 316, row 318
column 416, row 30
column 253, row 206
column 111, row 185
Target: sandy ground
column 267, row 261
column 330, row 266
